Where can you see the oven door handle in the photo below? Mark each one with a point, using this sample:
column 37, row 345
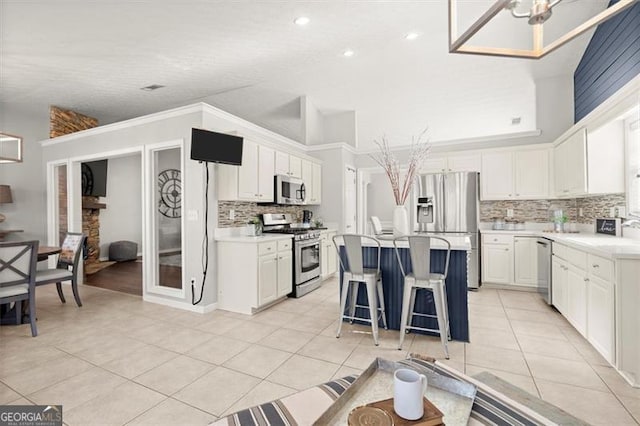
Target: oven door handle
column 307, row 243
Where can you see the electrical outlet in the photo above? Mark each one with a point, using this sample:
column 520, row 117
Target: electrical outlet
column 192, row 215
column 193, row 280
column 612, row 212
column 509, row 212
column 232, row 214
column 580, row 212
column 622, row 211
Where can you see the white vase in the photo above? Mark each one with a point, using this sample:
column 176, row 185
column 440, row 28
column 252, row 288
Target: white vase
column 400, row 221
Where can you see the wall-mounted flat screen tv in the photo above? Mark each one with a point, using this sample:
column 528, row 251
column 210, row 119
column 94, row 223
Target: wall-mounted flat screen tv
column 94, row 178
column 216, row 147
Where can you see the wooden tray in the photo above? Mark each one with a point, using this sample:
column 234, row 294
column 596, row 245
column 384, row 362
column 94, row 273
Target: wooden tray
column 432, row 416
column 454, row 398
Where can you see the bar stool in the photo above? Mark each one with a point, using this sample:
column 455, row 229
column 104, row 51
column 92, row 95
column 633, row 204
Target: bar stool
column 354, row 274
column 421, row 277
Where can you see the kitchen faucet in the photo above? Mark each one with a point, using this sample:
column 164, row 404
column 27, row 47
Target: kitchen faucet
column 632, row 223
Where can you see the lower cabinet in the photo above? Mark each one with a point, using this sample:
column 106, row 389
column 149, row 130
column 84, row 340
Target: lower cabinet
column 559, row 293
column 497, row 259
column 267, row 279
column 253, row 274
column 329, row 256
column 285, row 273
column 600, row 332
column 577, row 298
column 525, row 261
column 583, row 290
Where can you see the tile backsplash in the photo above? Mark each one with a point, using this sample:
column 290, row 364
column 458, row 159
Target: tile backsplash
column 538, row 210
column 244, row 211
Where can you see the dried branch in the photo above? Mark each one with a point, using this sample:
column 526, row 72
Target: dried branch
column 385, row 158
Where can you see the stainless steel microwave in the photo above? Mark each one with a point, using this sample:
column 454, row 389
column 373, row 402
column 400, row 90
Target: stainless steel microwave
column 289, row 190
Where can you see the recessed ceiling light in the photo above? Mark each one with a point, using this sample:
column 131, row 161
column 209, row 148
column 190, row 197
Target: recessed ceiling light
column 151, row 87
column 302, row 21
column 412, row 36
column 348, row 53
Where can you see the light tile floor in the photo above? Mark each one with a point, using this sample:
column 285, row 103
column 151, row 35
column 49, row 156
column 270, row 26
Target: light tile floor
column 119, row 360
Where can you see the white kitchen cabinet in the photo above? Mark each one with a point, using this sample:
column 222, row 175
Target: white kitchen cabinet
column 253, row 181
column 328, row 257
column 312, row 178
column 267, row 279
column 252, row 275
column 526, row 261
column 497, row 176
column 559, row 288
column 510, row 175
column 307, row 178
column 464, row 163
column 531, row 174
column 288, row 165
column 248, row 172
column 452, row 163
column 570, row 158
column 600, row 315
column 282, row 163
column 590, row 162
column 577, row 298
column 316, row 188
column 434, row 165
column 497, row 259
column 285, row 273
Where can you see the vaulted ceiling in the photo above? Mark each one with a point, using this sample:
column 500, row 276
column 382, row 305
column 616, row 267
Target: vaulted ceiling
column 249, row 58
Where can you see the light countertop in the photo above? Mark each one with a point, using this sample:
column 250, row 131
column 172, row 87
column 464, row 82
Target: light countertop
column 602, row 245
column 457, row 242
column 264, row 238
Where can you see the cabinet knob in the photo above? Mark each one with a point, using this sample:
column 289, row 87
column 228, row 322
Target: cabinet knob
column 506, row 249
column 586, row 279
column 595, row 265
column 517, row 195
column 509, row 195
column 495, row 239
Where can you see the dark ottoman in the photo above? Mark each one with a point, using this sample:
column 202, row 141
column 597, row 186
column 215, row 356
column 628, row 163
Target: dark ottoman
column 121, row 251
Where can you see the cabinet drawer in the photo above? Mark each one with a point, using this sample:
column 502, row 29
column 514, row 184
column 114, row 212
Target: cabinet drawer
column 559, row 250
column 601, row 267
column 497, row 239
column 284, row 245
column 576, row 257
column 267, row 248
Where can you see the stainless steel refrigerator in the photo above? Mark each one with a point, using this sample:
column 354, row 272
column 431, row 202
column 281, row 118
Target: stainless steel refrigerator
column 448, row 203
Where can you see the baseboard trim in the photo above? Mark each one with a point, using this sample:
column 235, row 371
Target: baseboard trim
column 201, row 309
column 528, row 289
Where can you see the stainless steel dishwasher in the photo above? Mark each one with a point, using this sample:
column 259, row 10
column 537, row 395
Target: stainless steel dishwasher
column 544, row 268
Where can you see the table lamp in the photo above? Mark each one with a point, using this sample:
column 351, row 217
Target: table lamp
column 5, row 197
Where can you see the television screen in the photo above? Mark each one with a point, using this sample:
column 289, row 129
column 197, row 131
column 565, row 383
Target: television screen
column 216, row 147
column 94, row 178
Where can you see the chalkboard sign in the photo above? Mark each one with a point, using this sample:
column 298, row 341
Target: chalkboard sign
column 608, row 226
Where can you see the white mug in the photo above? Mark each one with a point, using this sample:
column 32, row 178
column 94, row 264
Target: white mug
column 408, row 389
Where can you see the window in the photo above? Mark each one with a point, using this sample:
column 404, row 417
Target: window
column 632, row 136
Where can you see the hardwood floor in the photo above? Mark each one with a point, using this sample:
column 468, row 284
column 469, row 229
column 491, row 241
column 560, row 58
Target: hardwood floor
column 127, row 277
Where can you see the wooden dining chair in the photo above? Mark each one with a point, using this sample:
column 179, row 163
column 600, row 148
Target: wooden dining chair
column 69, row 257
column 17, row 277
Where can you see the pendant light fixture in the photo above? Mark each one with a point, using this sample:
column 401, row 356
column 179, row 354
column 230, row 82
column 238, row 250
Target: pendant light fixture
column 538, row 14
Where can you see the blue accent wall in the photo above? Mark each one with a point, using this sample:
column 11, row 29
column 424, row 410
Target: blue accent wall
column 611, row 60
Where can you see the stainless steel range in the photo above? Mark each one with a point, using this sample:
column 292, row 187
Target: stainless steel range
column 306, row 250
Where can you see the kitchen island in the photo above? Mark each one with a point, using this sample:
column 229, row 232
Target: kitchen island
column 393, row 283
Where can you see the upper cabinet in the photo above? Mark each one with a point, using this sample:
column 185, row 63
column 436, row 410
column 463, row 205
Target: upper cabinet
column 590, row 162
column 522, row 174
column 312, row 178
column 453, row 163
column 253, row 181
column 288, row 165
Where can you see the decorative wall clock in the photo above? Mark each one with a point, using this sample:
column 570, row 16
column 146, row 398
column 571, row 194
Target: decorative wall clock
column 170, row 191
column 87, row 179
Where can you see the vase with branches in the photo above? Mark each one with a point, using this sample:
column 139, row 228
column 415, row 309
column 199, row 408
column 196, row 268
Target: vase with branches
column 394, row 170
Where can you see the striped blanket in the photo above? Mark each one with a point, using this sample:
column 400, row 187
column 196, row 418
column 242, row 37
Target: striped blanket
column 304, row 408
